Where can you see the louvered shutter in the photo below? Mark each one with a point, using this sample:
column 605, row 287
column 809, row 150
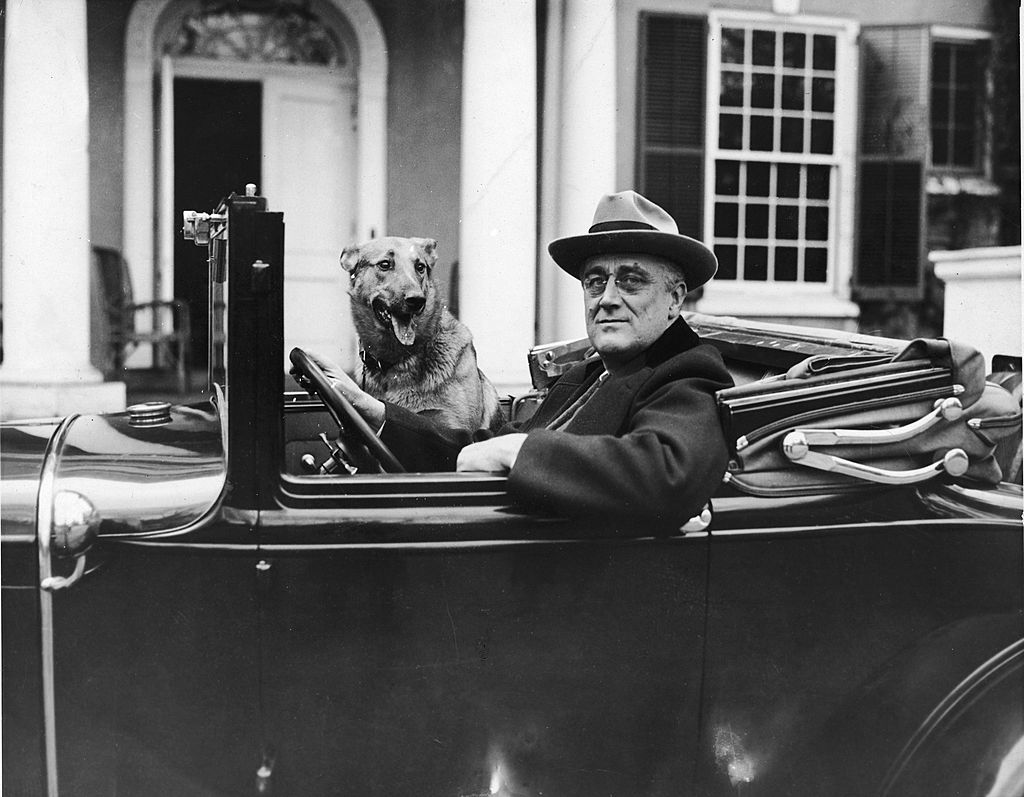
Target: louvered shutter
column 670, row 133
column 893, row 151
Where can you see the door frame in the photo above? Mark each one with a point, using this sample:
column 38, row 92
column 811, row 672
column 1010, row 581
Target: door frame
column 141, row 245
column 168, row 221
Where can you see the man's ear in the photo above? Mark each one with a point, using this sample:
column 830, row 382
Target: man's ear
column 350, row 258
column 428, row 245
column 678, row 296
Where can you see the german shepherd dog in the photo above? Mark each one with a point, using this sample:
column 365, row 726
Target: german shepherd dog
column 415, row 353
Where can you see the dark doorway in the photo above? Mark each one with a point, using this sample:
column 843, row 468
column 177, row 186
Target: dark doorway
column 217, row 149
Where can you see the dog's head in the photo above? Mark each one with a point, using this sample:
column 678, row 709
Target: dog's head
column 391, row 286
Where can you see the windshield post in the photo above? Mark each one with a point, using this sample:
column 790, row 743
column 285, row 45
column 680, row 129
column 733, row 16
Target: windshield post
column 246, row 312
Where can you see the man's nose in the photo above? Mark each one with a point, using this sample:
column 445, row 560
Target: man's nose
column 611, row 293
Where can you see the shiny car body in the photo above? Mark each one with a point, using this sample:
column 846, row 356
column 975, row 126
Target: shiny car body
column 189, row 608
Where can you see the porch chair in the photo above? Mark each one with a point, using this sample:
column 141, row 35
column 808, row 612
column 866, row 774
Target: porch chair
column 170, row 326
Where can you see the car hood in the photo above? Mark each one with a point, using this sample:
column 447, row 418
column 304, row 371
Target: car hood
column 141, row 479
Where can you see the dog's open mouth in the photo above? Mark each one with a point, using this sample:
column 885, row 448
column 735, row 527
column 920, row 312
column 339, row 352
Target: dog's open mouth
column 404, row 325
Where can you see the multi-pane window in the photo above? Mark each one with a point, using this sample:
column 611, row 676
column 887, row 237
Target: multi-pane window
column 957, row 95
column 774, row 154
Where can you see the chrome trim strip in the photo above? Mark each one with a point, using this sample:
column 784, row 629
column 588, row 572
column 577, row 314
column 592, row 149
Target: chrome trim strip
column 264, row 548
column 881, row 527
column 44, row 523
column 999, row 498
column 945, row 410
column 795, row 446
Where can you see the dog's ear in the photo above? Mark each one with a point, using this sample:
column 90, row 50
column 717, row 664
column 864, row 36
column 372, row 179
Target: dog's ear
column 428, row 245
column 350, row 258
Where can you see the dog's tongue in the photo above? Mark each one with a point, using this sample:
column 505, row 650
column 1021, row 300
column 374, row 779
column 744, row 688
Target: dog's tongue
column 404, row 330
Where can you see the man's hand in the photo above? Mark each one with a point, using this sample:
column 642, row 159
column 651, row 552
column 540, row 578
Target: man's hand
column 366, row 405
column 496, row 455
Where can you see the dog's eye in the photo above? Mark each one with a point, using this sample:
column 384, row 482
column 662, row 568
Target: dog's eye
column 384, row 265
column 421, row 267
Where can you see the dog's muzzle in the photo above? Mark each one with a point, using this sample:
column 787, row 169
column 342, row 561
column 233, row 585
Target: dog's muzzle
column 402, row 321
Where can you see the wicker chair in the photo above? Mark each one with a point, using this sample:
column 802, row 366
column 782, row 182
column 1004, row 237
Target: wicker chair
column 169, row 330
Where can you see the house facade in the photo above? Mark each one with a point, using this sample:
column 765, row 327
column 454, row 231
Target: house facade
column 822, row 148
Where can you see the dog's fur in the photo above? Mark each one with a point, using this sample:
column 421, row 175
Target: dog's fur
column 415, row 353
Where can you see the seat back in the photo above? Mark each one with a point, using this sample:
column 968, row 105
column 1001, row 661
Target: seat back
column 112, row 280
column 116, row 330
column 110, row 299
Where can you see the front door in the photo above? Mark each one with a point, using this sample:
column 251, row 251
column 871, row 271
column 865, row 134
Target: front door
column 309, row 173
column 292, row 133
column 217, row 143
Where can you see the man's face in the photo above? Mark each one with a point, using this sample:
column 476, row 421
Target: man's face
column 631, row 300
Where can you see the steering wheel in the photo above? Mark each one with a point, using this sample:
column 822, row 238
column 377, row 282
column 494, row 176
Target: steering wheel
column 311, row 377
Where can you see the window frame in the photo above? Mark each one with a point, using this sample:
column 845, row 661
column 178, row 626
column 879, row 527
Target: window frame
column 944, row 34
column 790, row 299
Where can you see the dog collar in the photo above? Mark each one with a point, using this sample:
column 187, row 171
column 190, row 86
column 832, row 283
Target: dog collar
column 372, row 363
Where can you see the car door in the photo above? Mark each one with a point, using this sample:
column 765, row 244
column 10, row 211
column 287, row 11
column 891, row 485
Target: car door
column 831, row 645
column 440, row 647
column 156, row 677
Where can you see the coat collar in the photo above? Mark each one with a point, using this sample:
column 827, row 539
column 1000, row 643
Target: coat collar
column 610, row 404
column 674, row 340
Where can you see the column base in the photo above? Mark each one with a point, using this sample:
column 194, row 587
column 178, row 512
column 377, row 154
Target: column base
column 20, row 400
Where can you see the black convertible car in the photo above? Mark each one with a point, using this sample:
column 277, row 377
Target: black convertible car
column 204, row 600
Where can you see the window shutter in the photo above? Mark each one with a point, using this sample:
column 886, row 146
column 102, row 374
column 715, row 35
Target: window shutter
column 894, row 144
column 894, row 108
column 890, row 226
column 670, row 131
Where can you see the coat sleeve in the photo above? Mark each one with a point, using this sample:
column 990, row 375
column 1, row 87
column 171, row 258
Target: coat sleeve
column 660, row 472
column 421, row 444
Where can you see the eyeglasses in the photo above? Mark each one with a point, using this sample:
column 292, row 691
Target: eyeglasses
column 594, row 285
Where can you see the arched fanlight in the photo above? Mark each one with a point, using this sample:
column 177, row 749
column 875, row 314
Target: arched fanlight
column 277, row 31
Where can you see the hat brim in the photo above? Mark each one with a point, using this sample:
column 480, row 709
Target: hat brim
column 697, row 262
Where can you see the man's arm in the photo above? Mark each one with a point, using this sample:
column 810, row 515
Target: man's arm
column 366, row 405
column 662, row 470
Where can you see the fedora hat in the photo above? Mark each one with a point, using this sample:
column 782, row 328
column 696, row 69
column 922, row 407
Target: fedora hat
column 627, row 222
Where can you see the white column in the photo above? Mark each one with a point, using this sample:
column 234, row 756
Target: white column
column 46, row 250
column 983, row 298
column 497, row 252
column 585, row 149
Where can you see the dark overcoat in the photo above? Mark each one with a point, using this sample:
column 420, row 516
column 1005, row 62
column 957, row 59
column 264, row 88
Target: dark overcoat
column 647, row 446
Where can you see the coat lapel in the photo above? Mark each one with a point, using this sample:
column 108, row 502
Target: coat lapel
column 606, row 412
column 570, row 386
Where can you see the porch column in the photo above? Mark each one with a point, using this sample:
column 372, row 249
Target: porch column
column 497, row 250
column 579, row 145
column 983, row 298
column 46, row 251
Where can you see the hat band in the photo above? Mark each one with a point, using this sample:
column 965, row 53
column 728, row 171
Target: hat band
column 611, row 226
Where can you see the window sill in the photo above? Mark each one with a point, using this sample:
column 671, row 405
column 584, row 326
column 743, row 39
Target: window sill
column 774, row 302
column 947, row 184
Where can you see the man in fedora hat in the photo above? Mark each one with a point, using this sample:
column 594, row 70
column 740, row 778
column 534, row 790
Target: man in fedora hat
column 630, row 432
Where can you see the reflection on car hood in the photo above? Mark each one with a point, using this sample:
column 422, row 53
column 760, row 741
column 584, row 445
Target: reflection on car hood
column 141, row 479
